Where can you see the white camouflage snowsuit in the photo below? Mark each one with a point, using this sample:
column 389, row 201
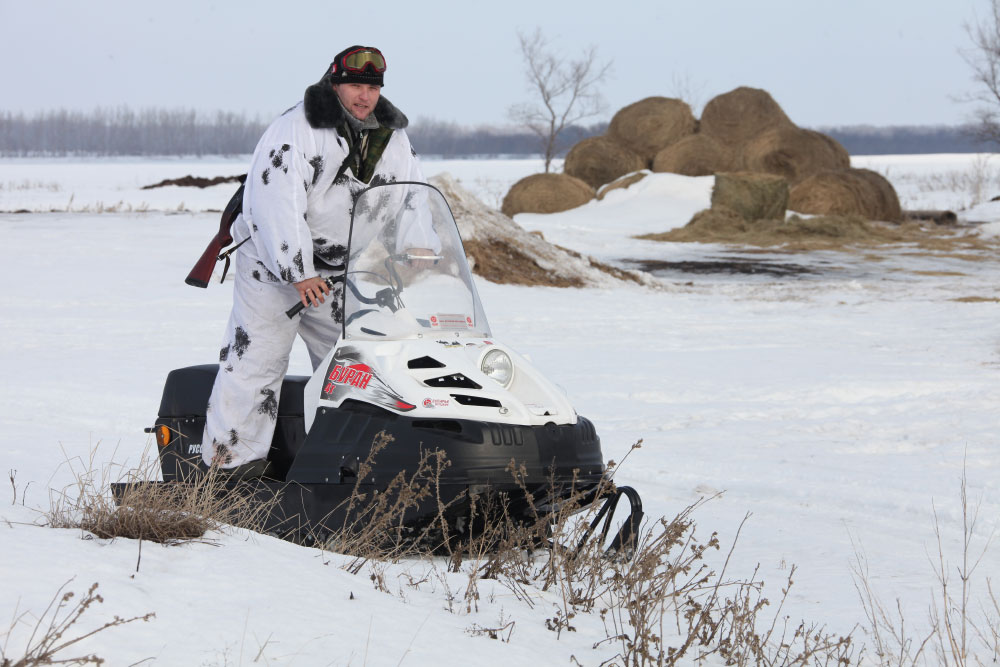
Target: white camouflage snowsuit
column 294, row 207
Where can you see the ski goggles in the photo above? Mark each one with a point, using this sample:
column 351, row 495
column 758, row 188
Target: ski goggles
column 359, row 60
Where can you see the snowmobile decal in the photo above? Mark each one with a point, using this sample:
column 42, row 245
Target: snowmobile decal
column 348, row 372
column 436, row 402
column 451, row 321
column 358, row 375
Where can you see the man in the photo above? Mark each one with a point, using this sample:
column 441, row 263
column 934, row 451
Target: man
column 305, row 172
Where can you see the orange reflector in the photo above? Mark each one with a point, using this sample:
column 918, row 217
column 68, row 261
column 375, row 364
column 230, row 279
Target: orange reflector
column 162, row 435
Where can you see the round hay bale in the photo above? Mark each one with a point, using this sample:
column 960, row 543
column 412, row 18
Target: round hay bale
column 600, row 160
column 696, row 155
column 794, row 153
column 751, row 195
column 741, row 114
column 650, row 125
column 546, row 193
column 847, row 192
column 621, row 183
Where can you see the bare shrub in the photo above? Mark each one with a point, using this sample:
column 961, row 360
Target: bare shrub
column 145, row 509
column 50, row 635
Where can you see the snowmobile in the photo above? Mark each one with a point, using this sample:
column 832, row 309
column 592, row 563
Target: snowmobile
column 417, row 366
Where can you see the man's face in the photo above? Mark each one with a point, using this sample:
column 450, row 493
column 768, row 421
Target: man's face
column 358, row 98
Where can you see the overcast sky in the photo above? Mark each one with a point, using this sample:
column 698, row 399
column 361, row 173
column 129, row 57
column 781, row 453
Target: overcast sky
column 827, row 62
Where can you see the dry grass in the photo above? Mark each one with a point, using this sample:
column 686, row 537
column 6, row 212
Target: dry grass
column 168, row 513
column 977, row 299
column 659, row 602
column 824, row 232
column 50, row 637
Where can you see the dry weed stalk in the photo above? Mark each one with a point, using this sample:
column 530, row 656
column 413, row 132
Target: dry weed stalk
column 168, row 513
column 375, row 525
column 50, row 633
column 954, row 624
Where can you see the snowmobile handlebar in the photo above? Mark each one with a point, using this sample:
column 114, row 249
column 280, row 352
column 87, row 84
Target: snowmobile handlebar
column 297, row 308
column 385, row 298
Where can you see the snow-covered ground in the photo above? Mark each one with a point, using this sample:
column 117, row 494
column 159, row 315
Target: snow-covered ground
column 838, row 407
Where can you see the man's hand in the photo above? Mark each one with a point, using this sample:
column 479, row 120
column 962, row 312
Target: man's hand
column 311, row 291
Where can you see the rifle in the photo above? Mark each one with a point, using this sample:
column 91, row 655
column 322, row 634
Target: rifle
column 201, row 274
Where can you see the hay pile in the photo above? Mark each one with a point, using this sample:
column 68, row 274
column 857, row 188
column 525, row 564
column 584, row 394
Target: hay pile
column 501, row 251
column 721, row 225
column 794, row 153
column 695, row 155
column 745, row 129
column 847, row 192
column 736, row 117
column 546, row 193
column 650, row 125
column 751, row 196
column 600, row 160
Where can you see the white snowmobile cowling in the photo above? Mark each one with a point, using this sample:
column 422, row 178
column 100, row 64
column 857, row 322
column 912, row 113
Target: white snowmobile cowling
column 416, row 339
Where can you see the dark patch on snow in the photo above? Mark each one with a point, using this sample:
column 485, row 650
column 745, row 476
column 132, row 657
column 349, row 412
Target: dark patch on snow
column 284, row 246
column 269, row 406
column 286, row 273
column 297, row 261
column 256, row 275
column 224, row 354
column 266, row 176
column 241, row 342
column 731, row 266
column 195, row 181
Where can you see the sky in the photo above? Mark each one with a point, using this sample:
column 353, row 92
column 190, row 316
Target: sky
column 826, row 62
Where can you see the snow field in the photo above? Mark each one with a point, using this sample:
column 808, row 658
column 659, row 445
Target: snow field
column 838, row 409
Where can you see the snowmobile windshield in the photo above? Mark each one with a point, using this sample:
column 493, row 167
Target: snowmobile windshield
column 407, row 276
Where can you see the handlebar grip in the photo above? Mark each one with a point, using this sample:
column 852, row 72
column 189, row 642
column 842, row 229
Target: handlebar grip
column 297, row 308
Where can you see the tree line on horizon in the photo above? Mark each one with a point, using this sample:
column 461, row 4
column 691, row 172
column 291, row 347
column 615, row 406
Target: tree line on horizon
column 126, row 132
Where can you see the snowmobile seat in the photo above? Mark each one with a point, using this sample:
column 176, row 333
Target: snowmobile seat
column 186, row 392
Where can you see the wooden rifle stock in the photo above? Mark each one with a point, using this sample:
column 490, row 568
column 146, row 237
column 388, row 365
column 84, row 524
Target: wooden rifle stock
column 201, row 274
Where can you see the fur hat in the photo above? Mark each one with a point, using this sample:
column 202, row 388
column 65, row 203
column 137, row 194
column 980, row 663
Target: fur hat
column 371, row 70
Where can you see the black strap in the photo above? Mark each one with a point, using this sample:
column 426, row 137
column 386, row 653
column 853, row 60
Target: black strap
column 225, row 256
column 353, row 154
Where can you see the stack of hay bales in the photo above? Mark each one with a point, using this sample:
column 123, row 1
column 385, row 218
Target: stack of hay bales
column 743, row 130
column 754, row 133
column 636, row 134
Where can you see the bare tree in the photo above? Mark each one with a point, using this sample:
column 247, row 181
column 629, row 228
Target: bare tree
column 567, row 91
column 984, row 59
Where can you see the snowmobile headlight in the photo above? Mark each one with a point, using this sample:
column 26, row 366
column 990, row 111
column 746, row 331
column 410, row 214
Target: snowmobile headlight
column 497, row 364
